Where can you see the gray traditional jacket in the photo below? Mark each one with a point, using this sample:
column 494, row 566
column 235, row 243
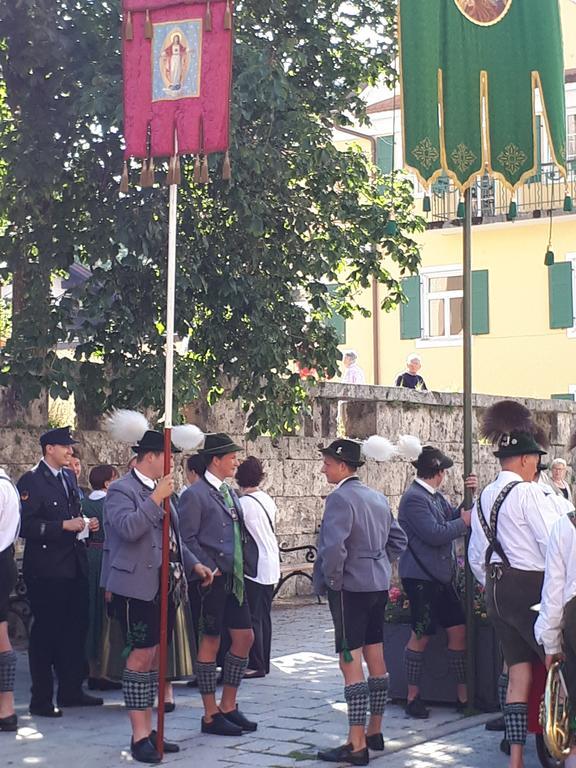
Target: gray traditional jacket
column 431, row 525
column 358, row 540
column 132, row 554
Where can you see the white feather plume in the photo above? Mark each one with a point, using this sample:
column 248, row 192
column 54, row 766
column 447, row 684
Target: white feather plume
column 409, row 447
column 378, row 448
column 187, row 437
column 126, row 426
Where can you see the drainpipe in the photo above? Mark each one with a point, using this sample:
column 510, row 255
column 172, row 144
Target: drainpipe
column 375, row 298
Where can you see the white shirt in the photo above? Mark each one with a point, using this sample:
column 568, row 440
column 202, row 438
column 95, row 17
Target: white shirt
column 559, row 584
column 213, row 480
column 97, row 495
column 350, row 477
column 260, row 528
column 524, row 523
column 425, row 485
column 353, row 375
column 560, row 503
column 147, row 481
column 9, row 512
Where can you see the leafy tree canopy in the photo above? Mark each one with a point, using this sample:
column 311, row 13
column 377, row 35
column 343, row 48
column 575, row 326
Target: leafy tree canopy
column 255, row 255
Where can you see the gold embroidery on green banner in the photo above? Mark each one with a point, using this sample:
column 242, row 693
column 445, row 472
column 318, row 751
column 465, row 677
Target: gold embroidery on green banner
column 512, row 158
column 426, row 153
column 462, row 157
column 485, row 13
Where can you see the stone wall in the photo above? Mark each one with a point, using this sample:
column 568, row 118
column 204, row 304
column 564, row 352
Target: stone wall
column 293, row 463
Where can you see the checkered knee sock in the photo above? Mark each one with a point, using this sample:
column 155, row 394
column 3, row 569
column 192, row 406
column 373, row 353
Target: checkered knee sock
column 206, row 676
column 502, row 690
column 378, row 689
column 457, row 663
column 413, row 663
column 153, row 687
column 357, row 696
column 516, row 722
column 233, row 671
column 136, row 688
column 7, row 671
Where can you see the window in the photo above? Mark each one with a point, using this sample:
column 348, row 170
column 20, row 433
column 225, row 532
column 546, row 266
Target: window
column 571, row 138
column 442, row 297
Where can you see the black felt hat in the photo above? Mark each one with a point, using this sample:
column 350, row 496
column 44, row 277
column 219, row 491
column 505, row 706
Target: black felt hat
column 218, row 444
column 518, row 444
column 59, row 436
column 432, row 460
column 348, row 451
column 152, row 441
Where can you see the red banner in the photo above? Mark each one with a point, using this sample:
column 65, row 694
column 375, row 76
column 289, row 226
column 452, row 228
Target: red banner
column 177, row 59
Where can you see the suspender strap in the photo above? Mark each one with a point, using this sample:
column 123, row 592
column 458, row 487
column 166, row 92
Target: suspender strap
column 491, row 531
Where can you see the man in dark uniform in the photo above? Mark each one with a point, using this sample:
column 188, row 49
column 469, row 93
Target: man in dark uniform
column 56, row 573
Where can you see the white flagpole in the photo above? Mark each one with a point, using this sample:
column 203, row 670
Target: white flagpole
column 168, row 405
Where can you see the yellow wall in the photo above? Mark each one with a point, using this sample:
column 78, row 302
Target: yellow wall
column 568, row 11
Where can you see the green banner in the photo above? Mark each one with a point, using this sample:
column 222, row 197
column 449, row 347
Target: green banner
column 470, row 70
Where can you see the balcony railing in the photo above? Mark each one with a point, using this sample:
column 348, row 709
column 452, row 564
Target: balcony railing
column 543, row 192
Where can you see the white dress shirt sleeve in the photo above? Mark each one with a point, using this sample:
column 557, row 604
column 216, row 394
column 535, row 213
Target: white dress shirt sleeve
column 540, row 514
column 548, row 628
column 9, row 514
column 477, row 548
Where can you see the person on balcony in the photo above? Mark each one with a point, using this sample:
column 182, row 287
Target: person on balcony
column 411, row 379
column 353, row 374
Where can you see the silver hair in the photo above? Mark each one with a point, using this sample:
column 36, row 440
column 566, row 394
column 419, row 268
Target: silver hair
column 351, row 353
column 559, row 463
column 414, row 359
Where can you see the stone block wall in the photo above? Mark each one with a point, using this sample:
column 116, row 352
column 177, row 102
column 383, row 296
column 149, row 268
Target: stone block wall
column 293, row 464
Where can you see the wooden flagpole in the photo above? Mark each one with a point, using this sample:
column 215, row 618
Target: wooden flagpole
column 169, row 380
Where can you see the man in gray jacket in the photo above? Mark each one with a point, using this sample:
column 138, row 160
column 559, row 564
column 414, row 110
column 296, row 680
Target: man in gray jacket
column 358, row 540
column 427, row 569
column 133, row 515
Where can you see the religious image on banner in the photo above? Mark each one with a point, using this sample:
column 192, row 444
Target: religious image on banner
column 484, row 11
column 176, row 60
column 177, row 63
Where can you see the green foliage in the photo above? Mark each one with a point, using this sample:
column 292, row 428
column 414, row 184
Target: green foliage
column 254, row 255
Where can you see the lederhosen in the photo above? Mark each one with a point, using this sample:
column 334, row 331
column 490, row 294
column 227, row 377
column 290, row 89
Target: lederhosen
column 510, row 592
column 569, row 639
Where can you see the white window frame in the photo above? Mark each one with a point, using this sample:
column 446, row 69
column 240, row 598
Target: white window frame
column 570, row 113
column 426, row 341
column 571, row 332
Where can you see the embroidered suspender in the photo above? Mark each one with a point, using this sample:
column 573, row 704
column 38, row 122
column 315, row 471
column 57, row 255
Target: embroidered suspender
column 491, row 531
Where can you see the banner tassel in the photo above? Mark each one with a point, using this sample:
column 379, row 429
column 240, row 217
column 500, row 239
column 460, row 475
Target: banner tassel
column 124, row 179
column 226, row 169
column 228, row 16
column 426, row 204
column 197, row 173
column 177, row 173
column 148, row 30
column 151, row 176
column 204, row 171
column 461, row 210
column 512, row 210
column 568, row 204
column 170, row 174
column 144, row 174
column 128, row 28
column 208, row 18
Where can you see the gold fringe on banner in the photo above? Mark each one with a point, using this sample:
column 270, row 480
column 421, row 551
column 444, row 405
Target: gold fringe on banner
column 208, row 18
column 170, row 174
column 144, row 174
column 228, row 16
column 151, row 178
column 128, row 28
column 226, row 169
column 124, row 179
column 204, row 171
column 196, row 176
column 177, row 174
column 148, row 29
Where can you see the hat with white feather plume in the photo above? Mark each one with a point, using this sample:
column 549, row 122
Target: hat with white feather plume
column 423, row 457
column 127, row 426
column 353, row 452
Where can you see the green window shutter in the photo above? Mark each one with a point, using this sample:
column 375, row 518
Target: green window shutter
column 565, row 396
column 385, row 153
column 410, row 313
column 480, row 304
column 337, row 321
column 560, row 296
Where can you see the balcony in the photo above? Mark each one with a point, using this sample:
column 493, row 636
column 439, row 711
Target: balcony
column 543, row 192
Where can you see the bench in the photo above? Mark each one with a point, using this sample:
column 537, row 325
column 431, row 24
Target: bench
column 301, row 567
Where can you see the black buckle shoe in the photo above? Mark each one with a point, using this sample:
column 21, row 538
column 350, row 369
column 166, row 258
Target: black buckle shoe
column 236, row 717
column 220, row 726
column 9, row 723
column 82, row 700
column 169, row 746
column 344, row 754
column 144, row 751
column 375, row 742
column 416, row 709
column 46, row 710
column 495, row 725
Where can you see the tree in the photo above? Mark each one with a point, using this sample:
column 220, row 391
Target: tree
column 256, row 256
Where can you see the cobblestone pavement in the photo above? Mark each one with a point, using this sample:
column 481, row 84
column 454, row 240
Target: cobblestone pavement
column 299, row 708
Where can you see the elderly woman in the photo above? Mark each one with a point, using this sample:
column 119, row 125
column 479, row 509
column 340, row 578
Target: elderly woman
column 558, row 470
column 411, row 379
column 260, row 517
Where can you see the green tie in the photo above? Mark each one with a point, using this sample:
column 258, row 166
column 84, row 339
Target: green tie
column 238, row 576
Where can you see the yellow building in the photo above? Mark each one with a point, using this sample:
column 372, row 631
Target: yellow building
column 524, row 313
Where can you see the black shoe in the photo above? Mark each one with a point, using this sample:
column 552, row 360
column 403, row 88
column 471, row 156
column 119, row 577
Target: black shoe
column 144, row 751
column 83, row 700
column 236, row 717
column 375, row 742
column 9, row 723
column 505, row 746
column 495, row 725
column 461, row 706
column 220, row 726
column 102, row 684
column 169, row 746
column 192, row 683
column 46, row 711
column 344, row 754
column 169, row 706
column 416, row 709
